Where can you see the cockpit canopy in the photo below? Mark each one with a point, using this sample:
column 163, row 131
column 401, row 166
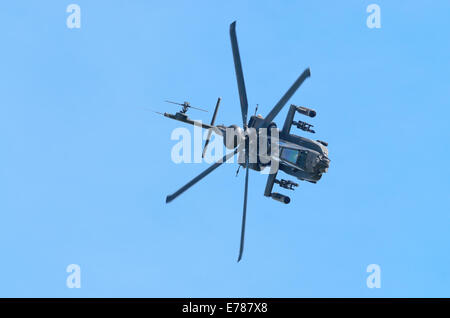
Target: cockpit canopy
column 296, row 157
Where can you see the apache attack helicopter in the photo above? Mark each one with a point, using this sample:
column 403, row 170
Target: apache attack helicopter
column 299, row 157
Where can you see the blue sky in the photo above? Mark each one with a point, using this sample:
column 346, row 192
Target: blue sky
column 85, row 168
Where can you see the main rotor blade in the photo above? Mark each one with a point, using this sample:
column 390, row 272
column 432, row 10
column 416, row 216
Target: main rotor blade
column 213, row 120
column 239, row 74
column 225, row 158
column 244, row 213
column 277, row 108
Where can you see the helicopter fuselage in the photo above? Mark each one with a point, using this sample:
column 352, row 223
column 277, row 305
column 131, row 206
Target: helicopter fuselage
column 300, row 157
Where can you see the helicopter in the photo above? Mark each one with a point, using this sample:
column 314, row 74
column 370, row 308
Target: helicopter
column 297, row 156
